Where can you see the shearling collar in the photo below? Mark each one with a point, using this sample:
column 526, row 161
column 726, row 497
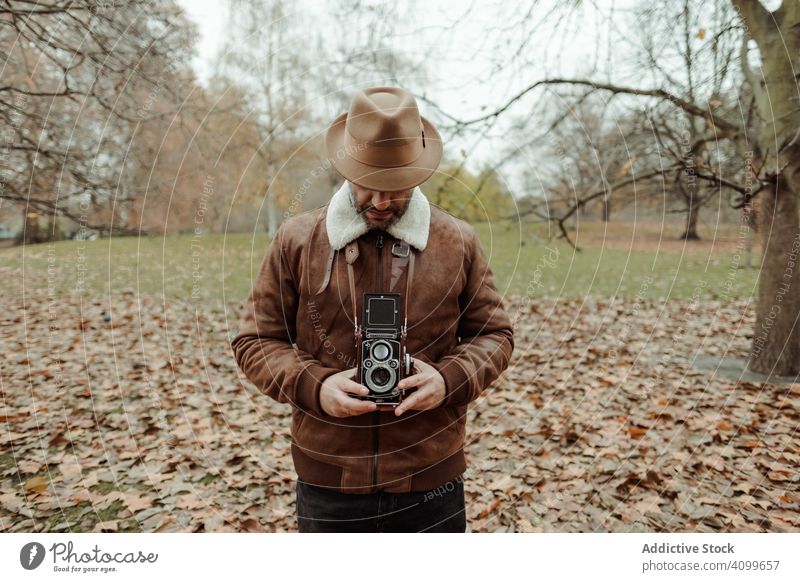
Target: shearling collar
column 344, row 224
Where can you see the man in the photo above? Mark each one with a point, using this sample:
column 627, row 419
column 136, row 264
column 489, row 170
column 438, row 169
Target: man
column 360, row 468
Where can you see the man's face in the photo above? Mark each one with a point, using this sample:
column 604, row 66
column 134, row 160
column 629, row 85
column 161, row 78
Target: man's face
column 380, row 209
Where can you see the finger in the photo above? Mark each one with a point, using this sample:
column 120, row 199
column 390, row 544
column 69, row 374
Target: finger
column 352, row 387
column 355, row 407
column 421, row 389
column 424, row 396
column 409, row 403
column 410, row 381
column 421, row 365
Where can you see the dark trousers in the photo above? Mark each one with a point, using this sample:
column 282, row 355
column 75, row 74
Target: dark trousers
column 325, row 510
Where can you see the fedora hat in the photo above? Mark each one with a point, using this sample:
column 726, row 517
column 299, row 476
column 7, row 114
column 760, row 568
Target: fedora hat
column 382, row 142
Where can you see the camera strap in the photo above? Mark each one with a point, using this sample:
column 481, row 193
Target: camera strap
column 351, row 255
column 328, row 269
column 402, row 260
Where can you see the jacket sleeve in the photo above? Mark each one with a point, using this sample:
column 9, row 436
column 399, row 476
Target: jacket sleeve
column 487, row 337
column 264, row 343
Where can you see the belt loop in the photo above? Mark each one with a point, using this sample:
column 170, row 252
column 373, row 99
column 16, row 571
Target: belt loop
column 351, row 252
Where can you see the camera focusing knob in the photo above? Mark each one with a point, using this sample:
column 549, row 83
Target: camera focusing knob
column 408, row 364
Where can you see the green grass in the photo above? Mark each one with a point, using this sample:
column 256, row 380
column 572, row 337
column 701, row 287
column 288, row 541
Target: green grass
column 110, row 512
column 103, row 488
column 6, row 461
column 620, row 259
column 527, row 263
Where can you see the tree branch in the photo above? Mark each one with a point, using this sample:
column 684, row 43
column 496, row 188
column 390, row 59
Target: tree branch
column 692, row 108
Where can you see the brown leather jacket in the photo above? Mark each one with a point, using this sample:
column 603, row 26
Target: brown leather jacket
column 291, row 337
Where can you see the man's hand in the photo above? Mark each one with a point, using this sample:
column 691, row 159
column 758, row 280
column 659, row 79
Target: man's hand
column 430, row 392
column 335, row 399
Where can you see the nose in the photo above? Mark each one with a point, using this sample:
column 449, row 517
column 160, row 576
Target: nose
column 381, row 201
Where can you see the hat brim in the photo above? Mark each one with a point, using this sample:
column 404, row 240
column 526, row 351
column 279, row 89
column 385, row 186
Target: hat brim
column 383, row 179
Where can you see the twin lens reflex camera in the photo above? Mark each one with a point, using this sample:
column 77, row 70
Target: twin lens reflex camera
column 381, row 349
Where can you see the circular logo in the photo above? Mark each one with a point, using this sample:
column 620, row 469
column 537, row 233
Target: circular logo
column 31, row 555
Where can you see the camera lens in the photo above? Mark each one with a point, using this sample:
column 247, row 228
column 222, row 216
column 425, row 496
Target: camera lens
column 381, row 376
column 381, row 351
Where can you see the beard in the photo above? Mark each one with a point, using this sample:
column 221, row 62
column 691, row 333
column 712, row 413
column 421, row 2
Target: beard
column 398, row 209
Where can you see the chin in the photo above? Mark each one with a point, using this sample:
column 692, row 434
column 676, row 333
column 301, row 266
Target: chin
column 382, row 225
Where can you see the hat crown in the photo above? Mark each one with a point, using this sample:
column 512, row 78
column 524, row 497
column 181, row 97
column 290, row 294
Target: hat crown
column 382, row 142
column 384, row 117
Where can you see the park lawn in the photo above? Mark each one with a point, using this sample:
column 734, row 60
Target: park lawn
column 622, row 260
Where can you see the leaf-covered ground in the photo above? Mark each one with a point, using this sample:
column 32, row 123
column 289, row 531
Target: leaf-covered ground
column 129, row 414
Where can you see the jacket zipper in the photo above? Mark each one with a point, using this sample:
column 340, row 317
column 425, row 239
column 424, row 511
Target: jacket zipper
column 379, row 275
column 377, row 415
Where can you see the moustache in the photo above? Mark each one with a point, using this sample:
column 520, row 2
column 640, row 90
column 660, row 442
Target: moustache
column 368, row 207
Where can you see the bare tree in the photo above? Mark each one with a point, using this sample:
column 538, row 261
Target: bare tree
column 74, row 75
column 690, row 50
column 265, row 57
column 757, row 139
column 776, row 157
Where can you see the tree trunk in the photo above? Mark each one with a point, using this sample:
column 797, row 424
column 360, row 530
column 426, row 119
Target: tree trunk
column 749, row 218
column 30, row 228
column 54, row 229
column 273, row 218
column 689, row 193
column 691, row 222
column 776, row 338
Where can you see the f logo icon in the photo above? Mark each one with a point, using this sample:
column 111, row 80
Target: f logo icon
column 31, row 555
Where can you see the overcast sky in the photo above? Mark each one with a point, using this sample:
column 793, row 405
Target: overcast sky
column 463, row 67
column 464, row 46
column 463, row 64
